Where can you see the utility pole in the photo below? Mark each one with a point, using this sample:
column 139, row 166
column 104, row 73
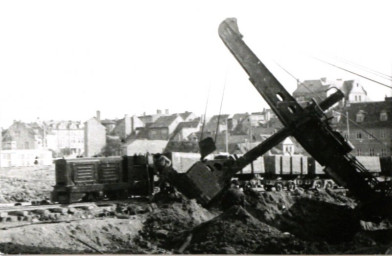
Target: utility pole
column 348, row 126
column 227, row 137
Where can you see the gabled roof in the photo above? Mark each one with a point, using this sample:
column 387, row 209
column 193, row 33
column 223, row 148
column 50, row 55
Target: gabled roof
column 371, row 111
column 182, row 125
column 164, row 121
column 185, row 115
column 240, row 115
column 108, row 121
column 309, row 87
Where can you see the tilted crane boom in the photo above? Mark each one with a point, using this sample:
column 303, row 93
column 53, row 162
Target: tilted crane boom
column 308, row 125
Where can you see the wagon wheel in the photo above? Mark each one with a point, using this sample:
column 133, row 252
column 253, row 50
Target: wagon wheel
column 328, row 185
column 291, row 186
column 279, row 187
column 318, row 184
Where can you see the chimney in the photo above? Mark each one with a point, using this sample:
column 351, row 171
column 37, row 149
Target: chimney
column 166, row 111
column 98, row 117
column 159, row 111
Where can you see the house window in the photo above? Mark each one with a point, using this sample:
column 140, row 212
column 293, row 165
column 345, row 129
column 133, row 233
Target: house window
column 383, row 152
column 358, row 151
column 371, row 151
column 359, row 98
column 383, row 116
column 359, row 135
column 382, row 134
column 360, row 117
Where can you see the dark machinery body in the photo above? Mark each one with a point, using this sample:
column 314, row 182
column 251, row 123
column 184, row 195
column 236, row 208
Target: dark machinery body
column 308, row 125
column 91, row 179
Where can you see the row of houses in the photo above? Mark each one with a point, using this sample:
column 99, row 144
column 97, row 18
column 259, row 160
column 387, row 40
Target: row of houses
column 368, row 126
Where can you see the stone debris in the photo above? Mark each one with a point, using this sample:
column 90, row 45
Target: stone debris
column 295, row 222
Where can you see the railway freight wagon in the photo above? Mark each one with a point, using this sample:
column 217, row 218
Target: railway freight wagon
column 289, row 172
column 90, row 179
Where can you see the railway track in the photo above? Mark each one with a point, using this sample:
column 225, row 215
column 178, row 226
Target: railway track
column 16, row 214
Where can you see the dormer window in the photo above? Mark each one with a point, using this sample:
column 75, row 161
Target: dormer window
column 360, row 117
column 383, row 116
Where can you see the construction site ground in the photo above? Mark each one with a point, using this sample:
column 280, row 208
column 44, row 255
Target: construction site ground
column 299, row 222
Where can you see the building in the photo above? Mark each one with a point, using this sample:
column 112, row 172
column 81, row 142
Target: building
column 184, row 130
column 94, row 137
column 126, row 126
column 21, row 135
column 163, row 127
column 65, row 137
column 188, row 116
column 25, row 157
column 320, row 89
column 212, row 126
column 146, row 119
column 369, row 127
column 109, row 125
column 142, row 146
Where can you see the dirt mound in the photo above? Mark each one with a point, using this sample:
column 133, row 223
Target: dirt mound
column 237, row 231
column 26, row 184
column 163, row 226
column 310, row 215
column 91, row 236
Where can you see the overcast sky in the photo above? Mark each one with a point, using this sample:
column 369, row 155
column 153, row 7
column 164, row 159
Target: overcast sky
column 63, row 60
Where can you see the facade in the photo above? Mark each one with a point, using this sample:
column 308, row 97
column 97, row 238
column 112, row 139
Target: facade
column 212, row 124
column 23, row 136
column 185, row 130
column 188, row 116
column 62, row 135
column 94, row 137
column 320, row 89
column 163, row 127
column 148, row 119
column 142, row 146
column 369, row 127
column 126, row 126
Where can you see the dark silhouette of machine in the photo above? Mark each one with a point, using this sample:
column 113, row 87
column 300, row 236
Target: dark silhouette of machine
column 309, row 125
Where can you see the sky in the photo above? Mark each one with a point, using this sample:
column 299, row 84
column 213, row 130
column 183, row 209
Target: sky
column 64, row 60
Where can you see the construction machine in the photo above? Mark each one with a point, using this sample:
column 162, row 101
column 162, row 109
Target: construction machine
column 309, row 125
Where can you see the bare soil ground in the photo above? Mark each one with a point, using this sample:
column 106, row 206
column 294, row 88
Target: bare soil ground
column 305, row 222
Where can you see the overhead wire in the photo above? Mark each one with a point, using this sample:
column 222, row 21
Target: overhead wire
column 220, row 108
column 350, row 120
column 349, row 71
column 205, row 114
column 372, row 71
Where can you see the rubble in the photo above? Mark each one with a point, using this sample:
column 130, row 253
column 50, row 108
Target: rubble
column 297, row 222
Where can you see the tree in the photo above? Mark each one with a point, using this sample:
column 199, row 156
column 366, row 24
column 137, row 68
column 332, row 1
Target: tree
column 113, row 147
column 65, row 151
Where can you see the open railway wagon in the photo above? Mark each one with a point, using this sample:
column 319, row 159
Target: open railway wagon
column 91, row 179
column 289, row 172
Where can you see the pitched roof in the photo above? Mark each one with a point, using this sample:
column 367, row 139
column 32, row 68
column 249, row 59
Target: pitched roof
column 185, row 115
column 371, row 111
column 164, row 121
column 180, row 126
column 310, row 86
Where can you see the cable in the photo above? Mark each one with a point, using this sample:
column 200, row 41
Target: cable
column 205, row 113
column 374, row 72
column 220, row 108
column 351, row 121
column 372, row 80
